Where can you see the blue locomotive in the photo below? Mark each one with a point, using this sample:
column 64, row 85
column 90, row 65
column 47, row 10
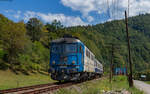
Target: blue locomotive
column 71, row 60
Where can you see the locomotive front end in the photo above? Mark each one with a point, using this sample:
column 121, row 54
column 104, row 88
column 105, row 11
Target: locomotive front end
column 64, row 59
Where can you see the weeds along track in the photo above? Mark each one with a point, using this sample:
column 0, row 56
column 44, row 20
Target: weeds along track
column 36, row 89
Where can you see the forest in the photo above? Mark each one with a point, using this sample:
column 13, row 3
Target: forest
column 24, row 47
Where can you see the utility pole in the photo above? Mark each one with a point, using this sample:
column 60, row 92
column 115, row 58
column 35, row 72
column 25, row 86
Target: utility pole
column 129, row 52
column 111, row 64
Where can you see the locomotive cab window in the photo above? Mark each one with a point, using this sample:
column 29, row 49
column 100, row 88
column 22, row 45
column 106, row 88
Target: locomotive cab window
column 55, row 48
column 70, row 48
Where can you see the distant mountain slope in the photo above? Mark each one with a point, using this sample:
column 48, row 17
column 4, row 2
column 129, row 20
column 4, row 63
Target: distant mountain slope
column 98, row 38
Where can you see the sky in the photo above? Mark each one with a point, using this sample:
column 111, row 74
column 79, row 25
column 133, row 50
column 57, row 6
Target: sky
column 72, row 12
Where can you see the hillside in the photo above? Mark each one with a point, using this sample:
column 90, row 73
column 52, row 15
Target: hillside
column 34, row 55
column 99, row 38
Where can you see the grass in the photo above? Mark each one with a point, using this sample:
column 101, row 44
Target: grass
column 98, row 87
column 148, row 82
column 9, row 79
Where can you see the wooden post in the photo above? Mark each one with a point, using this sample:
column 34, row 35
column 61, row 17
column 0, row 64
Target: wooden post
column 129, row 52
column 111, row 64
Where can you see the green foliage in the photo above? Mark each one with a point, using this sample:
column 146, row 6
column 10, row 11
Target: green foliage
column 13, row 40
column 137, row 75
column 101, row 86
column 98, row 39
column 54, row 26
column 40, row 55
column 64, row 91
column 35, row 59
column 30, row 50
column 3, row 65
column 1, row 53
column 34, row 29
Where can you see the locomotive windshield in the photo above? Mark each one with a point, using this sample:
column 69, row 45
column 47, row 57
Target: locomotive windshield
column 56, row 48
column 70, row 48
column 64, row 48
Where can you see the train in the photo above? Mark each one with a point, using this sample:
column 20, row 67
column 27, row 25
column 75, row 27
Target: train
column 71, row 60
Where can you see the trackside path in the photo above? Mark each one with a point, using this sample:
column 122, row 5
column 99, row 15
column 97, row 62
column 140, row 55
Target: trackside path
column 142, row 86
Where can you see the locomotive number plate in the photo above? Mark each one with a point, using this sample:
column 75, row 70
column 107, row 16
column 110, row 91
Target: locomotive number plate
column 63, row 66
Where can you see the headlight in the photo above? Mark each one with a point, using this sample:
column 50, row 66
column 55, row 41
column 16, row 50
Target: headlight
column 53, row 62
column 51, row 70
column 73, row 62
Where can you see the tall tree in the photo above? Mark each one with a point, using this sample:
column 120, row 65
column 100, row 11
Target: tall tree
column 54, row 26
column 34, row 29
column 13, row 40
column 55, row 29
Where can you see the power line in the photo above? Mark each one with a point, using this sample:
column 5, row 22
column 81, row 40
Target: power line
column 112, row 9
column 128, row 7
column 108, row 8
column 117, row 8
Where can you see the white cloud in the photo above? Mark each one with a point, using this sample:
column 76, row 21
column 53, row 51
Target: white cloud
column 90, row 18
column 65, row 20
column 84, row 6
column 15, row 14
column 117, row 7
column 99, row 7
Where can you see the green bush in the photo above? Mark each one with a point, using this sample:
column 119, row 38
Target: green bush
column 3, row 65
column 137, row 75
column 1, row 53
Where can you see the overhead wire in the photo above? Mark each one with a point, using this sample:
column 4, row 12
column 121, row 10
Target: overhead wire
column 112, row 9
column 117, row 8
column 128, row 7
column 108, row 9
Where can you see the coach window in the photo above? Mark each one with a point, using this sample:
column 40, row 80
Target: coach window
column 92, row 57
column 87, row 53
column 94, row 63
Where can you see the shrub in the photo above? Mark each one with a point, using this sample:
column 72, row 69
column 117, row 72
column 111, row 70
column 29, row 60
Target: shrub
column 3, row 65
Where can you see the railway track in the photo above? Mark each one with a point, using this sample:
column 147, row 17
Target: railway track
column 36, row 89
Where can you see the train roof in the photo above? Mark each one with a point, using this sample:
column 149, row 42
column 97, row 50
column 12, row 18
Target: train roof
column 66, row 40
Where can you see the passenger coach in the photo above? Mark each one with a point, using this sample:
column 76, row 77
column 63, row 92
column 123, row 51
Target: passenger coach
column 71, row 60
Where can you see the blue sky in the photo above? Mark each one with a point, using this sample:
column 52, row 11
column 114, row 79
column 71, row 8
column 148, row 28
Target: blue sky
column 71, row 12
